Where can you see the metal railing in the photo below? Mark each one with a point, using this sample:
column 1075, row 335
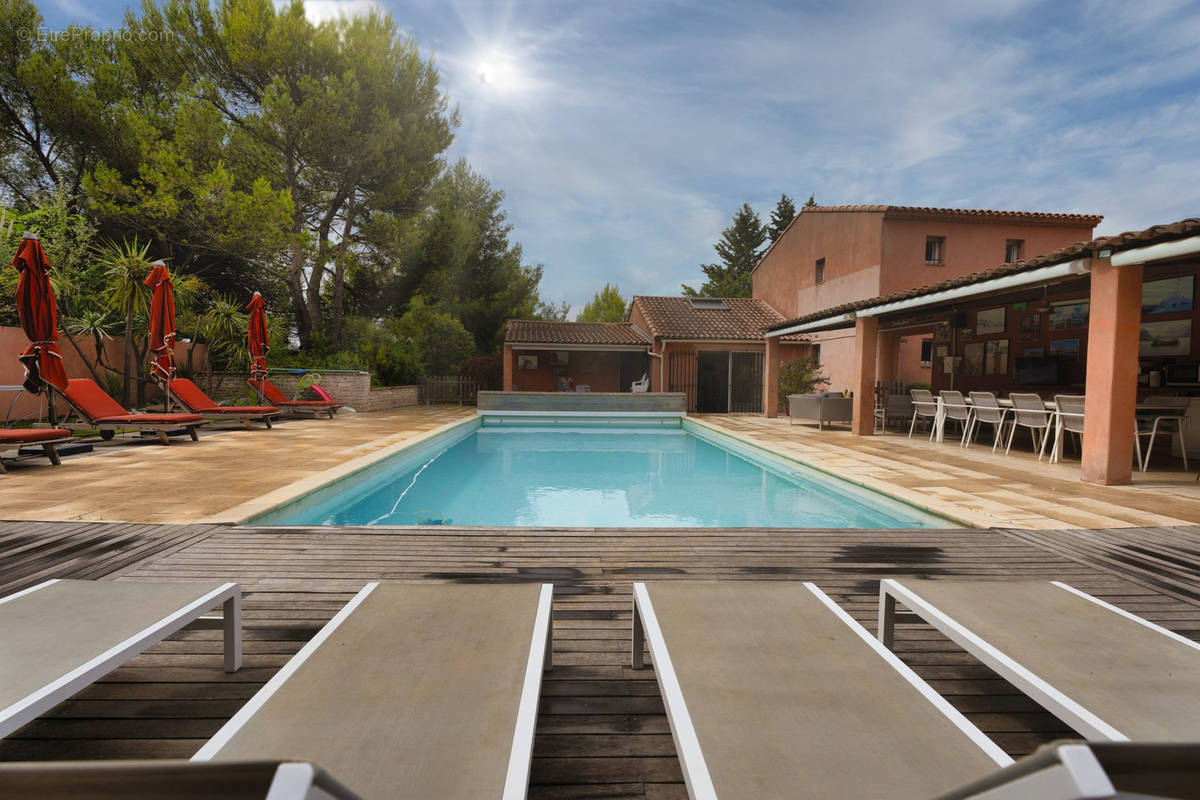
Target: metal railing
column 449, row 389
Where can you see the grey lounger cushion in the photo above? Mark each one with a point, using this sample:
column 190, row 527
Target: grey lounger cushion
column 1107, row 673
column 61, row 635
column 410, row 691
column 177, row 780
column 788, row 697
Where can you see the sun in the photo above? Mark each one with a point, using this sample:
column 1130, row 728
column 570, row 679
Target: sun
column 498, row 71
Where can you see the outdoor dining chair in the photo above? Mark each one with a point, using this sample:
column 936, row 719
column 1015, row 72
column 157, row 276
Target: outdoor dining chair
column 1173, row 423
column 924, row 407
column 988, row 411
column 1029, row 411
column 1068, row 418
column 955, row 408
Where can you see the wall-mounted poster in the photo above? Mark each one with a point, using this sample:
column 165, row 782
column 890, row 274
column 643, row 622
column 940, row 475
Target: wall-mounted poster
column 996, row 358
column 943, row 351
column 527, row 362
column 973, row 362
column 1168, row 295
column 989, row 321
column 1172, row 338
column 1065, row 349
column 1073, row 314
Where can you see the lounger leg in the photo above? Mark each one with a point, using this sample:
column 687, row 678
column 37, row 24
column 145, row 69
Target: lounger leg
column 1182, row 441
column 232, row 613
column 162, row 436
column 639, row 638
column 3, row 469
column 195, row 434
column 267, row 420
column 887, row 618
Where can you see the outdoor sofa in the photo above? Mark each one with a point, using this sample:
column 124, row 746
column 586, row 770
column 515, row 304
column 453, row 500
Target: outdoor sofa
column 46, row 438
column 772, row 690
column 100, row 412
column 62, row 635
column 824, row 407
column 191, row 397
column 1109, row 674
column 410, row 691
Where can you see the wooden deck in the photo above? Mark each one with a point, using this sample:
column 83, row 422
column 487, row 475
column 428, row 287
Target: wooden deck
column 601, row 732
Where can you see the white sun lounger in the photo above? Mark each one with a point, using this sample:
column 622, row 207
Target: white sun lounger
column 410, row 691
column 773, row 691
column 1094, row 771
column 1109, row 674
column 62, row 635
column 154, row 780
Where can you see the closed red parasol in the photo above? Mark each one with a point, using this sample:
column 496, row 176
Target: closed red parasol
column 39, row 317
column 257, row 335
column 162, row 327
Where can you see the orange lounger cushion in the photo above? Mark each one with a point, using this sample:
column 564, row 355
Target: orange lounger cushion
column 276, row 397
column 91, row 400
column 151, row 419
column 32, row 435
column 239, row 411
column 191, row 396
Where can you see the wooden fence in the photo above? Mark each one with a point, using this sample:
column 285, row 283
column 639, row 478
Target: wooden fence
column 449, row 389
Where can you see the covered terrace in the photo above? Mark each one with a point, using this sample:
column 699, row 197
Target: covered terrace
column 542, row 356
column 1110, row 319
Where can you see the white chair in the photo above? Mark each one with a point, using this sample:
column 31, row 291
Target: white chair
column 641, row 386
column 924, row 407
column 1170, row 423
column 954, row 407
column 990, row 412
column 1068, row 418
column 1029, row 411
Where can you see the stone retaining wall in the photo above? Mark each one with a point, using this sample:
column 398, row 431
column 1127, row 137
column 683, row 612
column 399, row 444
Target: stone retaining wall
column 348, row 388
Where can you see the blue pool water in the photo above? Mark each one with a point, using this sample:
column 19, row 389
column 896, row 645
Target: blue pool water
column 615, row 475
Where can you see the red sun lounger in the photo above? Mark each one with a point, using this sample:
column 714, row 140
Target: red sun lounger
column 196, row 401
column 100, row 412
column 48, row 438
column 277, row 398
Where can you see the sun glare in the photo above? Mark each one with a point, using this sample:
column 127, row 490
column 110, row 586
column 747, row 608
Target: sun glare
column 498, row 72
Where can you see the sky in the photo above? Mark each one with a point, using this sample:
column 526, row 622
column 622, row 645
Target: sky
column 626, row 134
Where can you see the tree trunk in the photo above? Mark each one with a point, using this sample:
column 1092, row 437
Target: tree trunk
column 95, row 375
column 339, row 275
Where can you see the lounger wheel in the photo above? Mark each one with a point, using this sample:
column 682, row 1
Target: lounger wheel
column 107, row 435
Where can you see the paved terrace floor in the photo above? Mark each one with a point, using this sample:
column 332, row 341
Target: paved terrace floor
column 601, row 730
column 232, row 474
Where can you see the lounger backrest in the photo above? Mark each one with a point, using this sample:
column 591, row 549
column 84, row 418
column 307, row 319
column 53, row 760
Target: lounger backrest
column 270, row 392
column 956, row 407
column 986, row 407
column 190, row 395
column 1070, row 410
column 92, row 401
column 1029, row 410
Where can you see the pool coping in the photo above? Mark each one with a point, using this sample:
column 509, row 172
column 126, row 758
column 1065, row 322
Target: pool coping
column 910, row 497
column 242, row 513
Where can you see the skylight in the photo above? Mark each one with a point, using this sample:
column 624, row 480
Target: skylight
column 708, row 304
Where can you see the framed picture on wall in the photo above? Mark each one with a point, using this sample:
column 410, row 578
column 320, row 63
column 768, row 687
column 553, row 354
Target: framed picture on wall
column 996, row 357
column 989, row 321
column 1169, row 295
column 1065, row 349
column 972, row 365
column 1072, row 314
column 1171, row 338
column 527, row 362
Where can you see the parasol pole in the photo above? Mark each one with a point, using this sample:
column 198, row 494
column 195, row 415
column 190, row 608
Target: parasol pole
column 166, row 381
column 49, row 389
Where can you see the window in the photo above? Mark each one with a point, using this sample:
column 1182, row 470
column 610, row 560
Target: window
column 1014, row 250
column 934, row 245
column 709, row 304
column 927, row 352
column 820, row 270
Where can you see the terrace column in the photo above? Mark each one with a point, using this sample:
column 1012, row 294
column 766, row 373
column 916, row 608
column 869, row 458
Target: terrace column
column 889, row 356
column 866, row 348
column 771, row 378
column 508, row 367
column 1114, row 326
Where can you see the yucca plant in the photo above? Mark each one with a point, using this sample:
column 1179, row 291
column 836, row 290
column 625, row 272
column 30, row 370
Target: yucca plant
column 98, row 325
column 126, row 266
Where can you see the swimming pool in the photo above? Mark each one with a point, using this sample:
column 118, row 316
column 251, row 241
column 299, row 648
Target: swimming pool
column 589, row 472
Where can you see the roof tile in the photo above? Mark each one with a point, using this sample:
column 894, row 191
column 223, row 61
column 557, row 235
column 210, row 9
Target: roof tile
column 526, row 331
column 675, row 318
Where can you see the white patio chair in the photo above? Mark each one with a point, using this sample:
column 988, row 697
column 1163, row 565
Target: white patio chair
column 1029, row 411
column 641, row 386
column 1068, row 418
column 1170, row 423
column 955, row 408
column 990, row 412
column 924, row 407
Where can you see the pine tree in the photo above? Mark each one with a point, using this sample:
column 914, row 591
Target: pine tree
column 812, row 201
column 781, row 217
column 740, row 246
column 606, row 306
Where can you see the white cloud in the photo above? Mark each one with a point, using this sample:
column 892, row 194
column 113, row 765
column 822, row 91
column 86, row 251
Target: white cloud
column 319, row 11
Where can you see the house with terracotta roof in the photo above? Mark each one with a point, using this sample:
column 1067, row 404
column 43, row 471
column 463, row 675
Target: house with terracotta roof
column 832, row 255
column 710, row 349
